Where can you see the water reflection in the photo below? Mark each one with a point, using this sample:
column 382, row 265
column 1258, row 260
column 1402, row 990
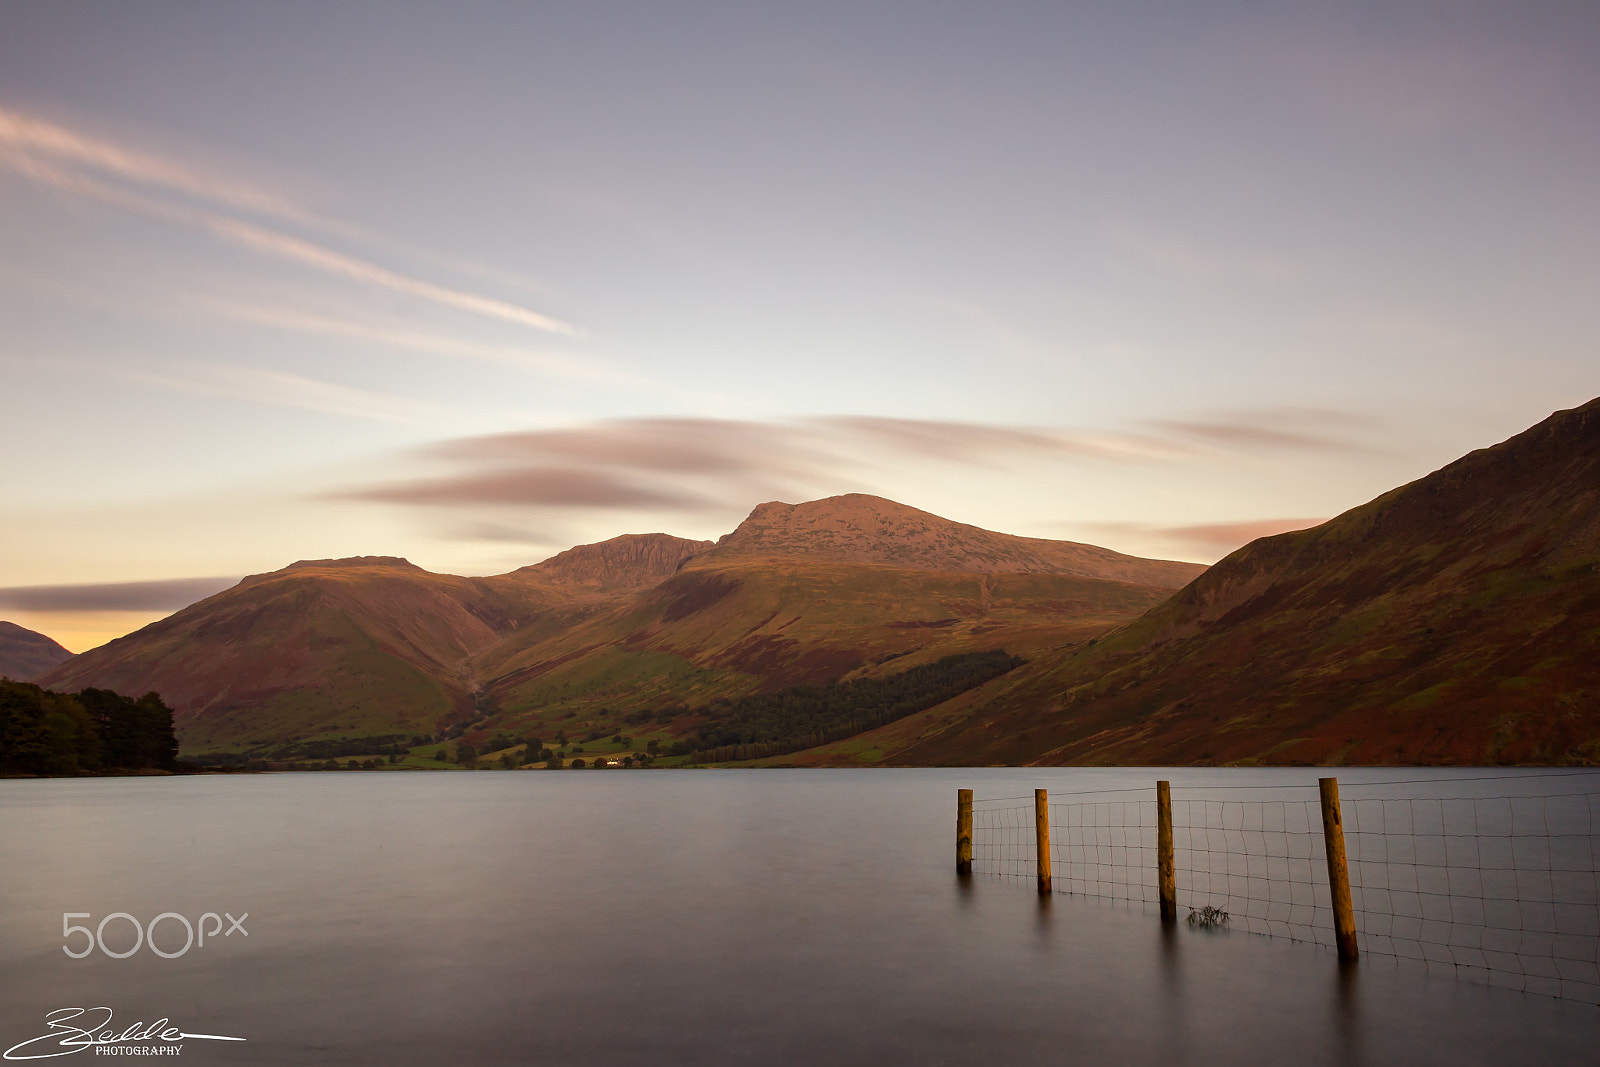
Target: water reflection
column 645, row 917
column 1347, row 1017
column 964, row 887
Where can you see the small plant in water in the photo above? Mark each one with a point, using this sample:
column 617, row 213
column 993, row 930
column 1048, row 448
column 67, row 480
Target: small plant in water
column 1207, row 916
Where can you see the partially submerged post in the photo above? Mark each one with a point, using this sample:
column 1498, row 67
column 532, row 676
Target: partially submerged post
column 1165, row 872
column 963, row 831
column 1041, row 836
column 1344, row 913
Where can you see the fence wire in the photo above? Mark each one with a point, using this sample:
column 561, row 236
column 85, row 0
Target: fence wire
column 1003, row 841
column 1503, row 891
column 1261, row 861
column 1500, row 890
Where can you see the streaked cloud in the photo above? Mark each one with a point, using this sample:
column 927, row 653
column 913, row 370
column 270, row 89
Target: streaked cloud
column 280, row 389
column 724, row 465
column 331, row 262
column 167, row 595
column 77, row 164
column 686, row 445
column 1211, row 540
column 550, row 364
column 1295, row 428
column 969, row 442
column 26, row 136
column 1224, row 537
column 533, row 487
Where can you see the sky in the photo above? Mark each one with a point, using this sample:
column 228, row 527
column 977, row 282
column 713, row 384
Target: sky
column 471, row 283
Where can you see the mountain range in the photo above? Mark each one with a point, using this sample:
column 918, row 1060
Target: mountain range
column 846, row 587
column 1454, row 620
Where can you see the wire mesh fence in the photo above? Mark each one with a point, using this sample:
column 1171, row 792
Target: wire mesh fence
column 1261, row 861
column 1501, row 890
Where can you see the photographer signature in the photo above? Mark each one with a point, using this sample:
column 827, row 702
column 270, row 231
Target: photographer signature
column 73, row 1030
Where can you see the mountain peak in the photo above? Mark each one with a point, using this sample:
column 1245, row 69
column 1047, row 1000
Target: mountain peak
column 859, row 528
column 626, row 562
column 355, row 561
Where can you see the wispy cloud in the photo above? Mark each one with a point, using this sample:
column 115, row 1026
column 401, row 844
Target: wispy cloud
column 724, row 464
column 178, row 194
column 682, row 464
column 647, row 446
column 279, row 389
column 981, row 443
column 168, row 595
column 549, row 364
column 719, row 468
column 22, row 135
column 1294, row 428
column 331, row 262
column 1212, row 540
column 1227, row 536
column 534, row 487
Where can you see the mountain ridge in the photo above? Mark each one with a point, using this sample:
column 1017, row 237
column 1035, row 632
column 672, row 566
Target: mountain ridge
column 861, row 528
column 1455, row 619
column 627, row 561
column 379, row 645
column 25, row 653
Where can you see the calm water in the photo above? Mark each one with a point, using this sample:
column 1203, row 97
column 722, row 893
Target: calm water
column 658, row 917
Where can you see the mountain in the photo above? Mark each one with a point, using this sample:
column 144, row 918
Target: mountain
column 629, row 562
column 1453, row 620
column 638, row 624
column 857, row 528
column 24, row 653
column 816, row 592
column 371, row 643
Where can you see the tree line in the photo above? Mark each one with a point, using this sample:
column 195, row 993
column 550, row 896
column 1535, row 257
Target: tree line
column 48, row 733
column 804, row 716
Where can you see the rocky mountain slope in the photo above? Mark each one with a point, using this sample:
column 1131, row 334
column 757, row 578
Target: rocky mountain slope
column 624, row 563
column 857, row 528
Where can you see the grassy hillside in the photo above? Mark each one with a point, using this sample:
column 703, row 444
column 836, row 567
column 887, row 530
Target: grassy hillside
column 1453, row 620
column 318, row 647
column 723, row 630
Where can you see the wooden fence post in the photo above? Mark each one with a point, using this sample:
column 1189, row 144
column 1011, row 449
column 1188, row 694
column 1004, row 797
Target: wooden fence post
column 1165, row 871
column 1041, row 836
column 1344, row 914
column 963, row 831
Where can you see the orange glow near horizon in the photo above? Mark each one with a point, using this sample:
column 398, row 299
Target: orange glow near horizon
column 79, row 631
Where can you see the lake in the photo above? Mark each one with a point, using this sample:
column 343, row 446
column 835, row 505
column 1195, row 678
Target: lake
column 697, row 917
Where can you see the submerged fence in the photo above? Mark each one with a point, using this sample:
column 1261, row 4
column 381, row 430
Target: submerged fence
column 1502, row 890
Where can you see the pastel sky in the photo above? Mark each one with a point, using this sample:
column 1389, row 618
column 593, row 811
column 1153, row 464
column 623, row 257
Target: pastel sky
column 473, row 282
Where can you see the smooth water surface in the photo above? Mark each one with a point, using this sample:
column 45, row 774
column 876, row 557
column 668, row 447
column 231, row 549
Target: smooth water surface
column 657, row 917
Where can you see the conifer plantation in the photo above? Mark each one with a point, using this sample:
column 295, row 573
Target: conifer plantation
column 96, row 730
